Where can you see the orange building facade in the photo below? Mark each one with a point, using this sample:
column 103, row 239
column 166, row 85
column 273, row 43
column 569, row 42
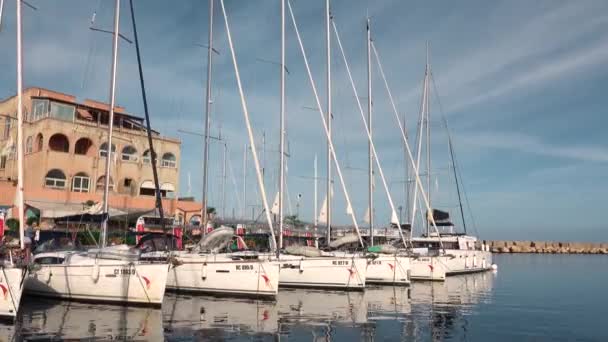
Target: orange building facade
column 65, row 154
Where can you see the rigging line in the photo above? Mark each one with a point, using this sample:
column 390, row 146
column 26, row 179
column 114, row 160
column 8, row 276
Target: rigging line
column 409, row 152
column 92, row 48
column 455, row 164
column 371, row 142
column 249, row 129
column 324, row 123
column 233, row 180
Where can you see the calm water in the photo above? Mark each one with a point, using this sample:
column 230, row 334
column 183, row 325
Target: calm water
column 530, row 298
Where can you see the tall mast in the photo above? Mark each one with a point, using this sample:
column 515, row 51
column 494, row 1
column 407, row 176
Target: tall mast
column 2, row 10
column 159, row 202
column 244, row 214
column 369, row 143
column 106, row 188
column 428, row 138
column 20, row 205
column 328, row 118
column 207, row 110
column 282, row 129
column 315, row 218
column 224, row 166
column 464, row 224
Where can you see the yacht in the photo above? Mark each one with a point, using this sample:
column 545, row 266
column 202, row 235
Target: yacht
column 113, row 274
column 463, row 253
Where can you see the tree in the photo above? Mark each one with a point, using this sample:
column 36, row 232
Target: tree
column 12, row 224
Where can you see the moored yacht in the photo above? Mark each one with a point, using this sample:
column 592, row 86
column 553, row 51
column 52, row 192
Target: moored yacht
column 463, row 253
column 209, row 269
column 112, row 274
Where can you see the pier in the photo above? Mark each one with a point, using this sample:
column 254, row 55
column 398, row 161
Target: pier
column 548, row 247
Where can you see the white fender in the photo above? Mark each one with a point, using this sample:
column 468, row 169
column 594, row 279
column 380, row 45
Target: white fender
column 301, row 266
column 204, row 271
column 95, row 273
column 474, row 261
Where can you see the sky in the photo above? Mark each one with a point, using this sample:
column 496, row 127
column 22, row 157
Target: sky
column 521, row 84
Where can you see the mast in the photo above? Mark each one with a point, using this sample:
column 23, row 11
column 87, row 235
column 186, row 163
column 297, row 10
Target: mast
column 282, row 129
column 328, row 118
column 106, row 188
column 20, row 205
column 244, row 214
column 315, row 218
column 159, row 202
column 207, row 110
column 428, row 138
column 369, row 143
column 2, row 10
column 224, row 167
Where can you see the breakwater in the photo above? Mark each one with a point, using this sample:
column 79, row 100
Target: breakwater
column 550, row 247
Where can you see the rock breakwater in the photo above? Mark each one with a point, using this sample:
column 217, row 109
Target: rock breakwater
column 548, row 247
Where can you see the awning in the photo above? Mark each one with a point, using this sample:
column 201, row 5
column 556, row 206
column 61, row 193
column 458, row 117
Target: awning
column 167, row 187
column 147, row 185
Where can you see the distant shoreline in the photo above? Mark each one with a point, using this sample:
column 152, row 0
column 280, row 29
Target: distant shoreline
column 547, row 247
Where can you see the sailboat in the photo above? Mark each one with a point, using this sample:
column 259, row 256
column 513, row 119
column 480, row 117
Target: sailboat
column 11, row 273
column 207, row 268
column 112, row 274
column 383, row 266
column 301, row 266
column 462, row 253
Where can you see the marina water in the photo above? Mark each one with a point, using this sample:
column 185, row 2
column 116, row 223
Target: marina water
column 530, row 298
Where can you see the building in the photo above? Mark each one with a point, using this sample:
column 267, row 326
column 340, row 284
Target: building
column 65, row 148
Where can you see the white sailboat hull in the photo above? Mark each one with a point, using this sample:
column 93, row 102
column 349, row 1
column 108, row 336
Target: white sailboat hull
column 467, row 261
column 100, row 280
column 220, row 274
column 345, row 273
column 428, row 268
column 11, row 287
column 388, row 270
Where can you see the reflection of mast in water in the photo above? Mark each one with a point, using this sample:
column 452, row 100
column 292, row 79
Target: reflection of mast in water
column 449, row 302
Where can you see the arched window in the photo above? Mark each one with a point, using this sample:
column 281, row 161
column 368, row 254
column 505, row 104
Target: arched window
column 39, row 142
column 168, row 160
column 80, row 182
column 101, row 183
column 129, row 153
column 167, row 190
column 59, row 143
column 29, row 144
column 103, row 149
column 84, row 146
column 55, row 179
column 147, row 157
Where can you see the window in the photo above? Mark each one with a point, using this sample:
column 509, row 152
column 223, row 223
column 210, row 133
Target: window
column 127, row 182
column 59, row 143
column 168, row 160
column 147, row 188
column 83, row 146
column 195, row 220
column 147, row 157
column 39, row 142
column 2, row 162
column 62, row 111
column 7, row 127
column 41, row 109
column 103, row 150
column 29, row 144
column 80, row 182
column 101, row 183
column 129, row 153
column 55, row 179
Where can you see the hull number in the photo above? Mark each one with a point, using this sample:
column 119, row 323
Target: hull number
column 244, row 267
column 340, row 263
column 124, row 271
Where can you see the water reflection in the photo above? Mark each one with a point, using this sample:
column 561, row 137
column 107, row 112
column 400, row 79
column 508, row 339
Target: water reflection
column 425, row 311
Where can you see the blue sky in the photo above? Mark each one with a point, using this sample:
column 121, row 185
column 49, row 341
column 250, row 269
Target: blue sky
column 521, row 83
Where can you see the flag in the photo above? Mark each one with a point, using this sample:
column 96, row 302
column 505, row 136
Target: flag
column 178, row 232
column 209, row 227
column 240, row 229
column 240, row 243
column 1, row 224
column 139, row 228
